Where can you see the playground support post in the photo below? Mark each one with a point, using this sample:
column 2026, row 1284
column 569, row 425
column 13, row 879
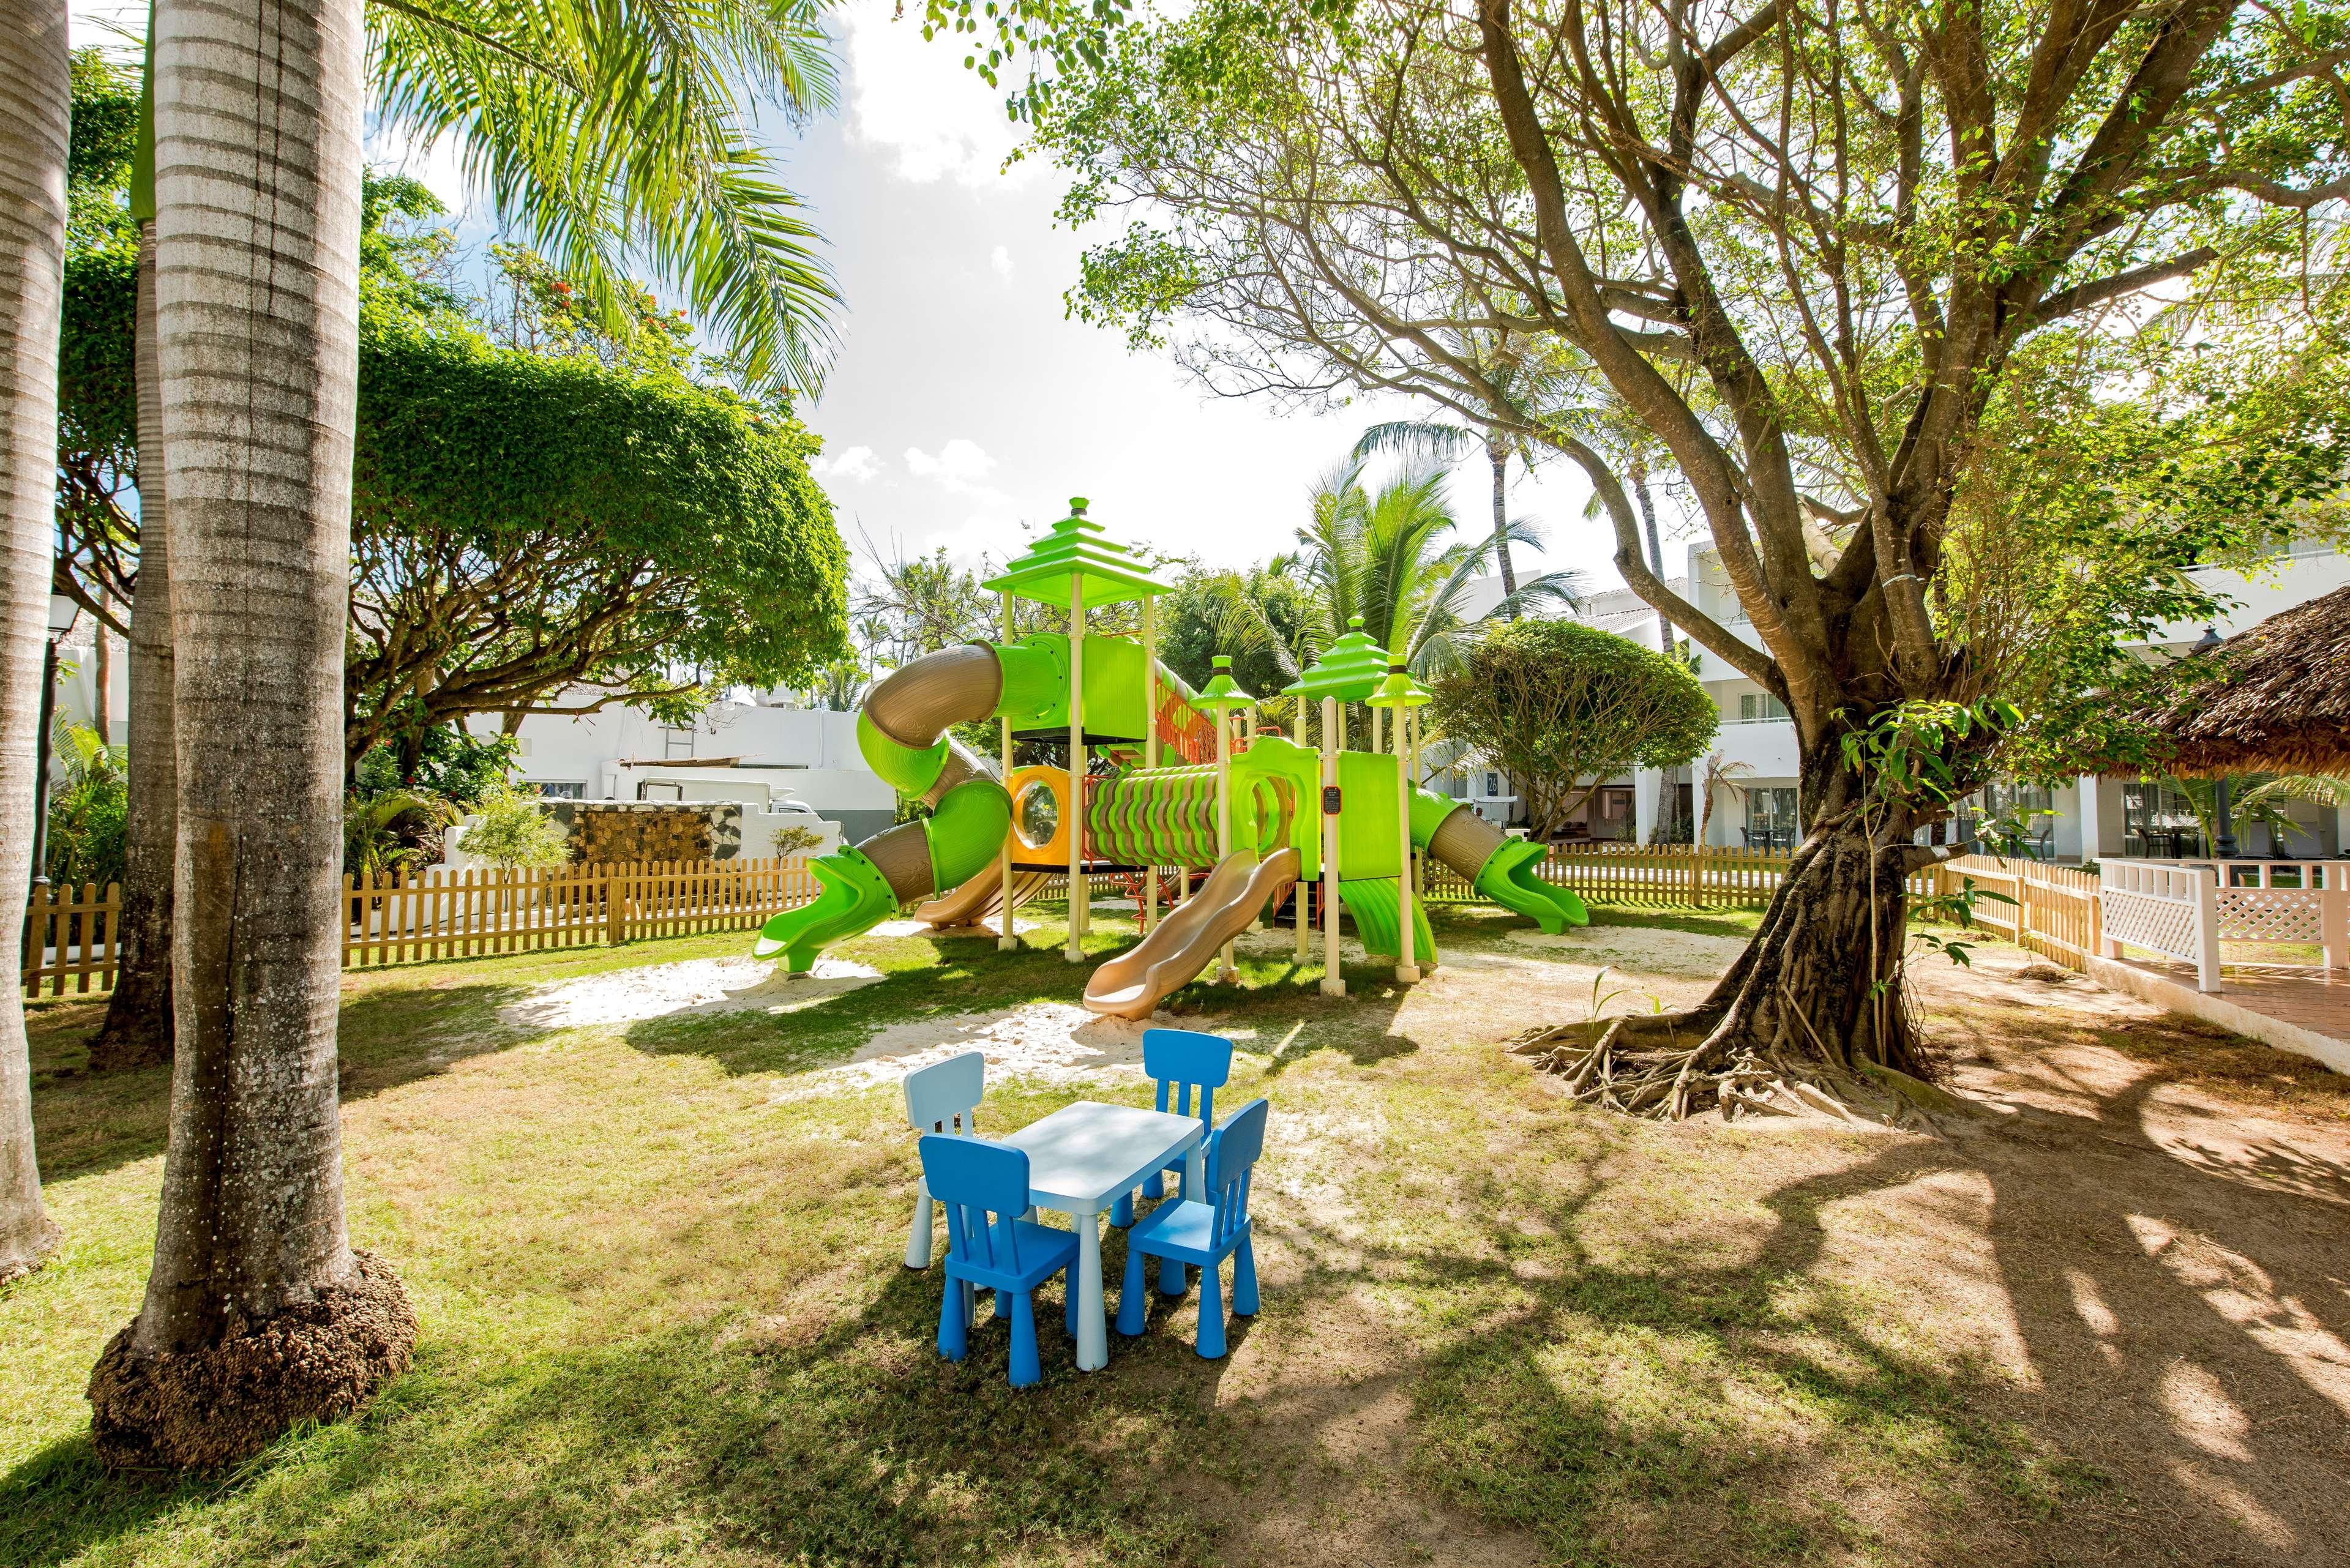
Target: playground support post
column 1304, row 893
column 1007, row 941
column 1231, row 971
column 1150, row 739
column 1078, row 892
column 1334, row 981
column 1405, row 971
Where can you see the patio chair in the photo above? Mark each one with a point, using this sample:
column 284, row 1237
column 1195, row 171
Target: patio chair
column 1186, row 1065
column 942, row 1098
column 1205, row 1233
column 984, row 1187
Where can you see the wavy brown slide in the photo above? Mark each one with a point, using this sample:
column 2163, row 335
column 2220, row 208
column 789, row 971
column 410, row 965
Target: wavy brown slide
column 976, row 900
column 1132, row 984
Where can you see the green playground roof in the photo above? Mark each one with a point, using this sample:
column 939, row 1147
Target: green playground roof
column 1222, row 693
column 1350, row 668
column 1399, row 689
column 1076, row 548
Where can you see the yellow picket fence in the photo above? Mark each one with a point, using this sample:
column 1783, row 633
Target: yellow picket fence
column 2056, row 912
column 396, row 918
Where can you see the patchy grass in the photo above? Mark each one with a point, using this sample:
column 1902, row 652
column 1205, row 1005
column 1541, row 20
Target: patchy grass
column 665, row 1319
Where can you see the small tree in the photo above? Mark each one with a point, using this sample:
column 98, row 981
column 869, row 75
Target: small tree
column 1554, row 703
column 793, row 839
column 511, row 829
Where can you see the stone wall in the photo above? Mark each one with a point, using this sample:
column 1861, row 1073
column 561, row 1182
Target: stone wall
column 615, row 832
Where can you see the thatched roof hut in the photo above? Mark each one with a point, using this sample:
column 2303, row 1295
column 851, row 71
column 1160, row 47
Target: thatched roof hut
column 2273, row 699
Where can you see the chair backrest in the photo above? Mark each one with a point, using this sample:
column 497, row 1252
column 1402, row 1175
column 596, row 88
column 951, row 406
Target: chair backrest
column 984, row 1187
column 1186, row 1063
column 1233, row 1150
column 942, row 1096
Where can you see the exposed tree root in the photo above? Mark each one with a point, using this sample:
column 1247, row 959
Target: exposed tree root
column 201, row 1409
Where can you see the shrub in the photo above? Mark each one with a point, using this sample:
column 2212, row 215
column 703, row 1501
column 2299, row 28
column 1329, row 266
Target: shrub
column 511, row 829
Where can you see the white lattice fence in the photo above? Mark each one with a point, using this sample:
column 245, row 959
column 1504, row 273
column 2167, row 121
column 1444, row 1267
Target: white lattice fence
column 2162, row 909
column 2271, row 914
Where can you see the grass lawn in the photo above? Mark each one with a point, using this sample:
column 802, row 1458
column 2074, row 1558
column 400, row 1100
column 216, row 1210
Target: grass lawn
column 665, row 1319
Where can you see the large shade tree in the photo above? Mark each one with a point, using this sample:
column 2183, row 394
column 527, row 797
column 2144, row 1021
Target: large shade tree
column 1838, row 263
column 34, row 106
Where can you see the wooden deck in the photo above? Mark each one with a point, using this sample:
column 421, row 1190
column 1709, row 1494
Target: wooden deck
column 2293, row 1008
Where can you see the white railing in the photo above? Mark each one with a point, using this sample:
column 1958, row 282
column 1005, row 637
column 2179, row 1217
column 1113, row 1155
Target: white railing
column 2184, row 910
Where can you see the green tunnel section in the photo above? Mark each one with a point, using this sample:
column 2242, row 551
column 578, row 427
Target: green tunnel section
column 966, row 830
column 1372, row 901
column 853, row 898
column 1167, row 817
column 1508, row 876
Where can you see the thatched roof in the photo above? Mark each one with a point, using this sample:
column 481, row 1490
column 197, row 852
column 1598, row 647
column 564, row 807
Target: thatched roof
column 2273, row 699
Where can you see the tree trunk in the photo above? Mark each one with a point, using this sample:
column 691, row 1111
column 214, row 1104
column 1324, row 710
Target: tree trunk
column 138, row 1028
column 1638, row 473
column 36, row 95
column 257, row 1314
column 1815, row 1000
column 1497, row 453
column 102, row 655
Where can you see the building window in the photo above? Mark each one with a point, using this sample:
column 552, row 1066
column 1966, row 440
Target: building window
column 1493, row 785
column 1756, row 706
column 561, row 789
column 677, row 742
column 1770, row 818
column 2158, row 821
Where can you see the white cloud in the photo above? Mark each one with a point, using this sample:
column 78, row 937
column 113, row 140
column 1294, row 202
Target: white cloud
column 916, row 100
column 857, row 464
column 1000, row 260
column 959, row 465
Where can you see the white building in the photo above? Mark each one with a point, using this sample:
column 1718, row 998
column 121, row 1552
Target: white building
column 1754, row 756
column 766, row 753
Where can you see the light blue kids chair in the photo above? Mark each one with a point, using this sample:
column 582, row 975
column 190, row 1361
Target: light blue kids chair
column 1188, row 1068
column 984, row 1187
column 942, row 1098
column 1191, row 1231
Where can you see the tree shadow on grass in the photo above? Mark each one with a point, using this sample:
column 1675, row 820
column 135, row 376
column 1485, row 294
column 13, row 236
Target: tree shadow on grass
column 88, row 1123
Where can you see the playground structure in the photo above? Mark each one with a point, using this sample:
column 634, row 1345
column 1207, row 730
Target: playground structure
column 1263, row 815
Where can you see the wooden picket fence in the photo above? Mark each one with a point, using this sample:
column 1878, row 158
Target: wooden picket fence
column 396, row 918
column 2056, row 912
column 70, row 934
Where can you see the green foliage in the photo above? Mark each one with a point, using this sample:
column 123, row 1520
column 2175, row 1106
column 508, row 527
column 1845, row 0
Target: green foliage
column 1259, row 616
column 793, row 839
column 608, row 133
column 511, row 829
column 88, row 801
column 393, row 831
column 449, row 763
column 97, row 160
column 1553, row 702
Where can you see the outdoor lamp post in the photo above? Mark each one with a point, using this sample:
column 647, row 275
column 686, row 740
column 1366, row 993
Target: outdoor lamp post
column 2223, row 827
column 62, row 611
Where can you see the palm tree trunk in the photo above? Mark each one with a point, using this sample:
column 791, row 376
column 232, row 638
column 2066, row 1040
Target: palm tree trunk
column 1497, row 453
column 1637, row 471
column 36, row 97
column 138, row 1028
column 258, row 1312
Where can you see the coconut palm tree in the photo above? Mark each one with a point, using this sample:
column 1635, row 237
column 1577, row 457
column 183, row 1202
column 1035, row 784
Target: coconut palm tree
column 35, row 98
column 258, row 1312
column 605, row 129
column 1389, row 555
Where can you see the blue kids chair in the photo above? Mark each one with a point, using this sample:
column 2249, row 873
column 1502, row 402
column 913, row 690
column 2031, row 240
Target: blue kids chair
column 1186, row 1065
column 1189, row 1232
column 940, row 1098
column 1011, row 1256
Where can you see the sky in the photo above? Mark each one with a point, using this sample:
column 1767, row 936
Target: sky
column 963, row 404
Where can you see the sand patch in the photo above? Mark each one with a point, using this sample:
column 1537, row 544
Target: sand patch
column 1055, row 1041
column 1640, row 950
column 697, row 986
column 924, row 928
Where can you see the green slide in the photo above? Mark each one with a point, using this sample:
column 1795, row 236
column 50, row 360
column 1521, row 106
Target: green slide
column 1509, row 879
column 855, row 897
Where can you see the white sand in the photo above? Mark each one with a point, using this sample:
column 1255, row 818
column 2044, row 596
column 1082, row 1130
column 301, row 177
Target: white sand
column 697, row 986
column 1056, row 1041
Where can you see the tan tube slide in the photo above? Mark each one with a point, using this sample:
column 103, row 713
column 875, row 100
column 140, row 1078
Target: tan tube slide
column 1133, row 983
column 977, row 900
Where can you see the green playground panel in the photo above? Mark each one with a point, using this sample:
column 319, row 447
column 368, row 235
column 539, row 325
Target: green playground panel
column 1367, row 830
